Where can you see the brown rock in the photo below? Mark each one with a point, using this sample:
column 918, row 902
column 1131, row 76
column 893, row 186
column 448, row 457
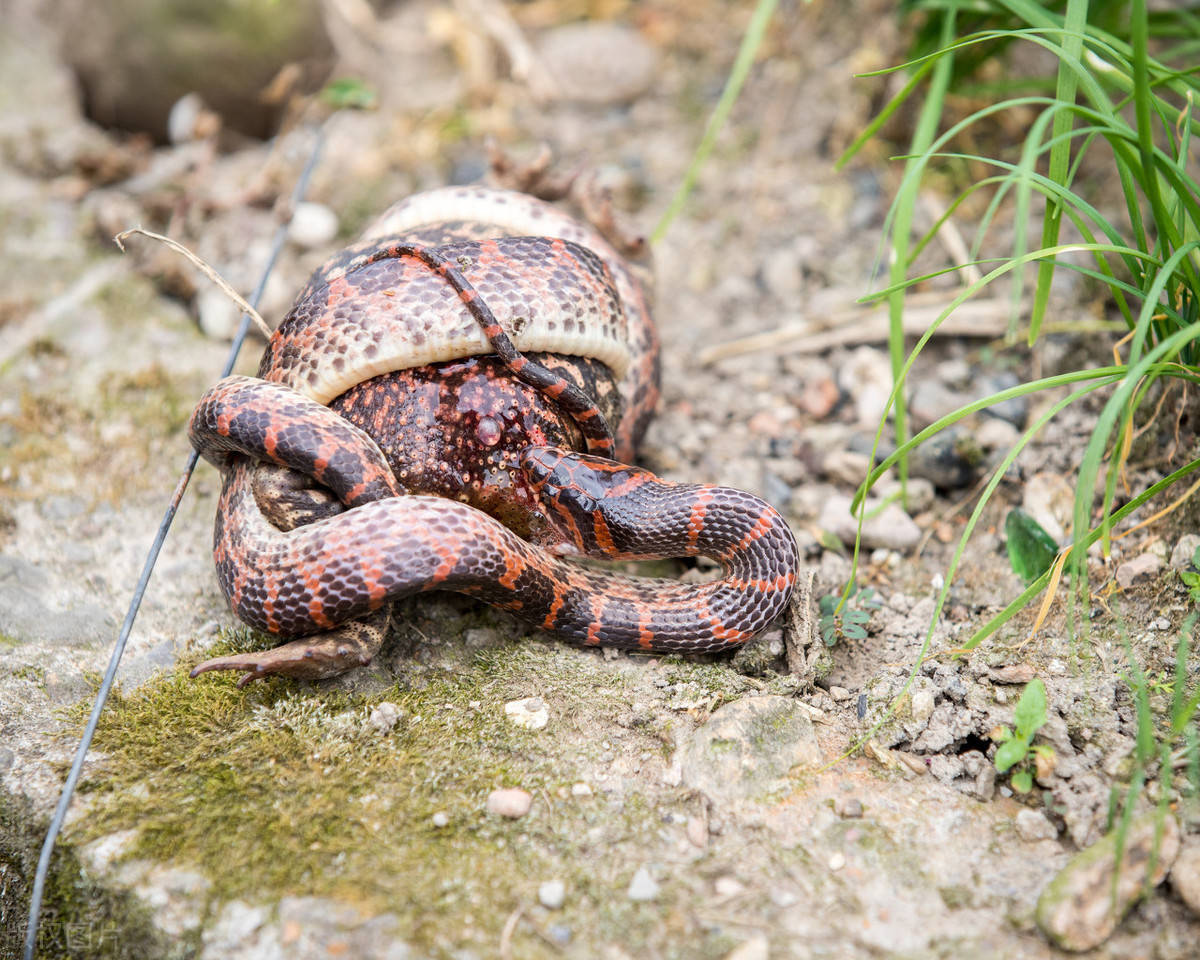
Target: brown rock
column 1078, row 911
column 1185, row 875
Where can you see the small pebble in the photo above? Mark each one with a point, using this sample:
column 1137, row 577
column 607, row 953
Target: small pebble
column 580, row 790
column 1050, row 499
column 313, row 225
column 922, row 705
column 1032, row 825
column 384, row 717
column 217, row 315
column 184, row 118
column 866, row 378
column 1014, row 410
column 998, row 435
column 440, row 819
column 1185, row 875
column 1013, row 673
column 848, row 808
column 560, row 933
column 1162, row 623
column 886, row 526
column 839, row 694
column 728, row 887
column 530, row 713
column 643, row 886
column 818, row 397
column 511, row 802
column 697, row 832
column 1139, row 568
column 1181, row 556
column 949, row 460
column 837, row 861
column 552, row 894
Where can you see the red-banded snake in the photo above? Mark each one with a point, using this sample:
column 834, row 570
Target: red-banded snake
column 456, row 362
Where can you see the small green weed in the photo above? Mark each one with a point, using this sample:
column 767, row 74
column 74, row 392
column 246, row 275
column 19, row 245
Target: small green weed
column 1031, row 550
column 1191, row 578
column 1016, row 747
column 848, row 619
column 349, row 93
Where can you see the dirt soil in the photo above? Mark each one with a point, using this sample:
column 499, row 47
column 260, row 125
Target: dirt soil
column 700, row 807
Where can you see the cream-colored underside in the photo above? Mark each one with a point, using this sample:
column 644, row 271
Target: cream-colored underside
column 454, row 333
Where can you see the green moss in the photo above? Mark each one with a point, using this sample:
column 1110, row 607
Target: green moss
column 956, row 896
column 286, row 789
column 152, row 398
column 34, row 674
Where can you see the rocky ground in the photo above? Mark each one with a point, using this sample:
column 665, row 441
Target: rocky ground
column 478, row 791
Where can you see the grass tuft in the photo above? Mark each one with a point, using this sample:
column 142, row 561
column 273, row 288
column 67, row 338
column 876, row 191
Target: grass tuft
column 1116, row 120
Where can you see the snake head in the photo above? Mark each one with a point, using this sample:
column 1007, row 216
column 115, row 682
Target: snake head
column 582, row 498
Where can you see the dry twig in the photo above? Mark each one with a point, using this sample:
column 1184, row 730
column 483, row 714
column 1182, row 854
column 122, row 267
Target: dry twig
column 204, row 268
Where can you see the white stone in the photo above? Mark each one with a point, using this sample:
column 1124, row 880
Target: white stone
column 552, row 894
column 530, row 713
column 217, row 315
column 922, row 705
column 511, row 802
column 728, row 887
column 183, row 117
column 1181, row 556
column 313, row 225
column 643, row 886
column 384, row 717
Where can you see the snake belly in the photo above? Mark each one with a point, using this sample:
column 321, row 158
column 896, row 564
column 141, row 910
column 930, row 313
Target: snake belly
column 557, row 290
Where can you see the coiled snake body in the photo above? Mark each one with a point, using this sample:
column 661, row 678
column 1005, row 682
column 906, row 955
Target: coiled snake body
column 417, row 425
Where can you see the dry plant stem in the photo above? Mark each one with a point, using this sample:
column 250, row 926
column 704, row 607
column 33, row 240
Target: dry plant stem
column 204, row 268
column 506, row 935
column 497, row 23
column 975, row 318
column 950, row 237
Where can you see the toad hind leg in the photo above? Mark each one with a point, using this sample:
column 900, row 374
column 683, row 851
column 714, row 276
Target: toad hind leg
column 324, row 655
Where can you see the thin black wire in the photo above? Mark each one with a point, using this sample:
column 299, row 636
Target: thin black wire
column 68, row 790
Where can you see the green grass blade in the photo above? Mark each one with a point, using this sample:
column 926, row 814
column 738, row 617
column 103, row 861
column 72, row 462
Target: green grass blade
column 1060, row 156
column 891, row 107
column 733, row 86
column 923, row 136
